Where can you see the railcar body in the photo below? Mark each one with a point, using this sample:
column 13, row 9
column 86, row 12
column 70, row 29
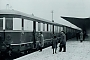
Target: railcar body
column 24, row 40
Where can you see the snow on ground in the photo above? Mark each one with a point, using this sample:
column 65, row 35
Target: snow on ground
column 75, row 51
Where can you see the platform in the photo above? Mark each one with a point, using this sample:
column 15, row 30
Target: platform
column 75, row 51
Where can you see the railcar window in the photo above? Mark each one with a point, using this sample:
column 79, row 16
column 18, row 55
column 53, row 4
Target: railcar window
column 45, row 27
column 17, row 24
column 39, row 26
column 1, row 23
column 36, row 26
column 54, row 28
column 28, row 25
column 9, row 23
column 58, row 29
column 64, row 29
column 49, row 27
column 61, row 28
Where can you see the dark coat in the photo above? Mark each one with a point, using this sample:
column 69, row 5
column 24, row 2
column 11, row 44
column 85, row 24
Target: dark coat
column 41, row 40
column 63, row 39
column 54, row 43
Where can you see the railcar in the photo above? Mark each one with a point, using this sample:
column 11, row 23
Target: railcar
column 25, row 38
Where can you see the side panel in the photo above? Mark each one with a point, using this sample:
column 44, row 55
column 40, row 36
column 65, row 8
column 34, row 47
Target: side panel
column 18, row 37
column 1, row 24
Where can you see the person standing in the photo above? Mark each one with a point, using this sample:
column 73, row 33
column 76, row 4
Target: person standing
column 54, row 44
column 77, row 36
column 41, row 41
column 62, row 42
column 81, row 36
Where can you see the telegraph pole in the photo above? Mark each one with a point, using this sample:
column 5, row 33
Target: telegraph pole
column 52, row 21
column 52, row 16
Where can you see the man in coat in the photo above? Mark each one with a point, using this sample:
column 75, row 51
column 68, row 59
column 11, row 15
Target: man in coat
column 41, row 41
column 62, row 42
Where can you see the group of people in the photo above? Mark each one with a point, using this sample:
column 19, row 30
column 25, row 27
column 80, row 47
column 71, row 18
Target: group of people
column 62, row 43
column 55, row 40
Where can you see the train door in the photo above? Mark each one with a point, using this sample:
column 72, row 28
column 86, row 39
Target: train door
column 2, row 33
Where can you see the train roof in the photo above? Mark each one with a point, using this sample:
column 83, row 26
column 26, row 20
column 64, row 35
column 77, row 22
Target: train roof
column 18, row 14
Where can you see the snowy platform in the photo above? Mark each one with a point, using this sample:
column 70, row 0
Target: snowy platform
column 75, row 51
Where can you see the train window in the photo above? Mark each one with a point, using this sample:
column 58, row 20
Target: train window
column 41, row 27
column 17, row 24
column 28, row 25
column 49, row 27
column 1, row 23
column 45, row 27
column 58, row 29
column 9, row 23
column 61, row 28
column 65, row 29
column 36, row 26
column 54, row 28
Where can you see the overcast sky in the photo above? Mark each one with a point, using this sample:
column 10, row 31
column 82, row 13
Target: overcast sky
column 43, row 8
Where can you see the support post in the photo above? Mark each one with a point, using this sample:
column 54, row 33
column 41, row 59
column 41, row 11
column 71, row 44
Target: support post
column 34, row 33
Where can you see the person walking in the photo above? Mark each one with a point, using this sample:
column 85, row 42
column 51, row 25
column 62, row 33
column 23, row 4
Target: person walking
column 54, row 44
column 62, row 42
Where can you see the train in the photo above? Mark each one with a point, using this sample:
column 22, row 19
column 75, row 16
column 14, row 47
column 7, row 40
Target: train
column 25, row 41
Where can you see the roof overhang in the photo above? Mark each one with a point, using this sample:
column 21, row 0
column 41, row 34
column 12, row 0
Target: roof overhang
column 82, row 23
